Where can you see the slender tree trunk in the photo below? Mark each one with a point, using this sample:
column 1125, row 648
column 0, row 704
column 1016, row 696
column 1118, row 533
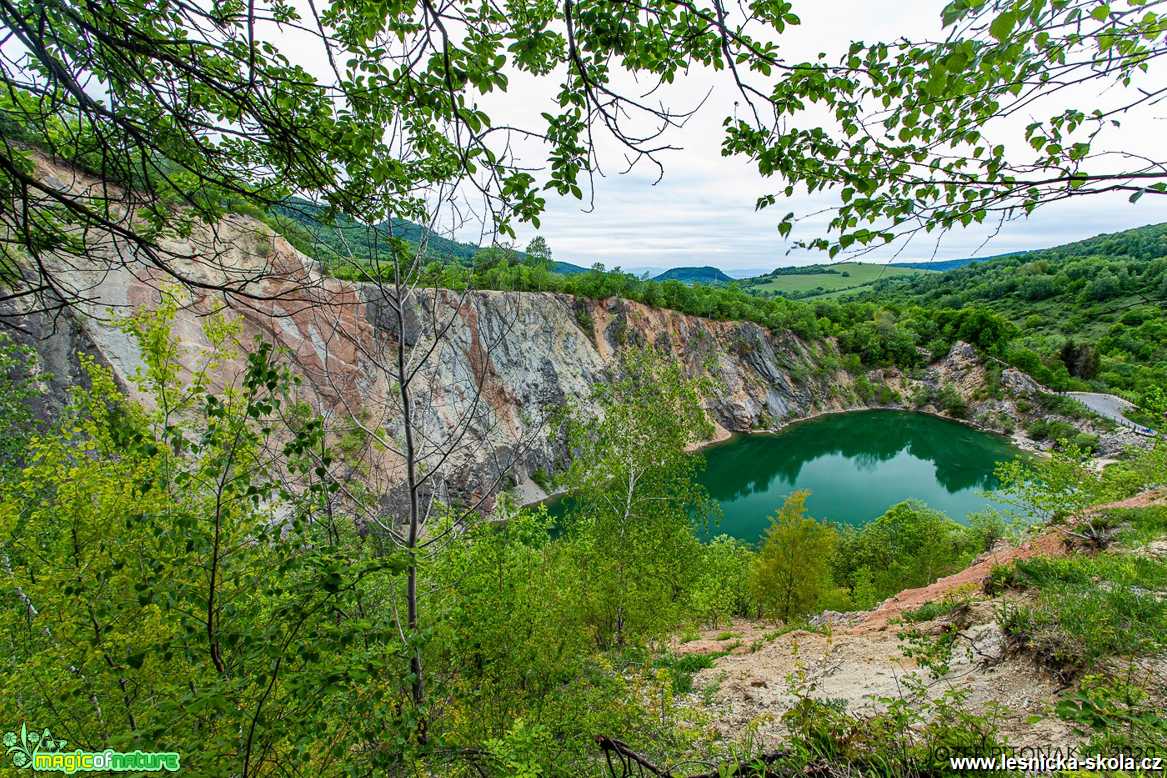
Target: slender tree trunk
column 415, row 665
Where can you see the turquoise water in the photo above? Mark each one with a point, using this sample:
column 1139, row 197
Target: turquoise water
column 856, row 466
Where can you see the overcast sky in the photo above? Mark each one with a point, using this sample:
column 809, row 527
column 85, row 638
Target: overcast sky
column 702, row 212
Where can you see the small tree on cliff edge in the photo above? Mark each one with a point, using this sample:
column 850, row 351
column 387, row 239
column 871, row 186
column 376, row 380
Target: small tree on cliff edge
column 792, row 572
column 633, row 476
column 538, row 252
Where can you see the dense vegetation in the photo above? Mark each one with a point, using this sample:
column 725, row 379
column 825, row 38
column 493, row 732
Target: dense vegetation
column 535, row 638
column 1089, row 315
column 339, row 242
column 808, row 281
column 288, row 653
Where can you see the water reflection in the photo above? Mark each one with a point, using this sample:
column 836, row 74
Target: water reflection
column 856, row 466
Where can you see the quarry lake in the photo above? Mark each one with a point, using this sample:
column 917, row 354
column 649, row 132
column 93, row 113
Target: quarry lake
column 855, row 465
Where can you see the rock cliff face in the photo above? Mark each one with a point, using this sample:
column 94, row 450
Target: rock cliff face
column 488, row 367
column 504, row 364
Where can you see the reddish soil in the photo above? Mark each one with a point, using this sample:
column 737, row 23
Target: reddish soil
column 1049, row 543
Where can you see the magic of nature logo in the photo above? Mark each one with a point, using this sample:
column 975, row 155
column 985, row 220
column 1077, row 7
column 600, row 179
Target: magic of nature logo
column 40, row 751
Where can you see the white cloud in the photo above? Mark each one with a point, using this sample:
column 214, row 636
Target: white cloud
column 702, row 212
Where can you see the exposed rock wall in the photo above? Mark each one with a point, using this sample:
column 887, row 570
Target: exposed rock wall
column 487, row 368
column 492, row 364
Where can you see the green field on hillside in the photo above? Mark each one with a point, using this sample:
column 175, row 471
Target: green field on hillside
column 813, row 280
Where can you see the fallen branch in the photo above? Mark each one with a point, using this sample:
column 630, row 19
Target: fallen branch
column 629, row 763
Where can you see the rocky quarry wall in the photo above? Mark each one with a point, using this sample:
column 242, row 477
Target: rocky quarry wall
column 488, row 368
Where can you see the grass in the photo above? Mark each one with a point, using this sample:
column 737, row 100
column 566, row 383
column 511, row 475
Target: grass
column 682, row 668
column 1084, row 609
column 1140, row 525
column 943, row 607
column 859, row 274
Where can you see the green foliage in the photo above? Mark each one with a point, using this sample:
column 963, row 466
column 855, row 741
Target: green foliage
column 1051, row 429
column 161, row 585
column 721, row 588
column 1055, row 487
column 945, row 606
column 792, row 572
column 1069, row 337
column 19, row 386
column 1085, row 609
column 695, row 275
column 1115, row 715
column 538, row 252
column 913, row 735
column 914, row 126
column 512, row 650
column 633, row 488
column 951, row 402
column 908, row 546
column 682, row 668
column 520, row 753
column 1140, row 525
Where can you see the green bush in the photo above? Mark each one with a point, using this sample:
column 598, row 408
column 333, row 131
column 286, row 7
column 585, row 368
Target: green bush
column 951, row 402
column 910, row 545
column 722, row 586
column 1115, row 716
column 1086, row 442
column 1085, row 609
column 791, row 573
column 912, row 735
column 1050, row 429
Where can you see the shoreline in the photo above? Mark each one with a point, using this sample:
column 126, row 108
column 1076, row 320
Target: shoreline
column 1018, row 440
column 723, row 435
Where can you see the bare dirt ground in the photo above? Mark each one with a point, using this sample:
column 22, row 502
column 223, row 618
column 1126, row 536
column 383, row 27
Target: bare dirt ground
column 859, row 658
column 865, row 668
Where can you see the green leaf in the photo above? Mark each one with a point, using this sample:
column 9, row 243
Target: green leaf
column 1003, row 25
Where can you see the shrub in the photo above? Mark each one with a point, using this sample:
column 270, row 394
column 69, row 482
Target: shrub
column 912, row 735
column 1085, row 609
column 792, row 573
column 910, row 545
column 583, row 317
column 1050, row 429
column 1086, row 442
column 951, row 402
column 722, row 588
column 1117, row 716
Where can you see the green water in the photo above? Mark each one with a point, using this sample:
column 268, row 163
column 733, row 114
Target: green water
column 856, row 466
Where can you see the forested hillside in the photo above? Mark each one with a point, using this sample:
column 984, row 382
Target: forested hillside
column 342, row 244
column 807, row 281
column 695, row 275
column 1088, row 314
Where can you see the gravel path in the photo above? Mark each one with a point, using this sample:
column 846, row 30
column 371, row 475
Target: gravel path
column 1111, row 407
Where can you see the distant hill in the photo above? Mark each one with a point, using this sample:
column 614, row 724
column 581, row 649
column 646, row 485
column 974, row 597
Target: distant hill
column 695, row 275
column 1101, row 268
column 299, row 221
column 820, row 280
column 1147, row 242
column 947, row 264
column 566, row 268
